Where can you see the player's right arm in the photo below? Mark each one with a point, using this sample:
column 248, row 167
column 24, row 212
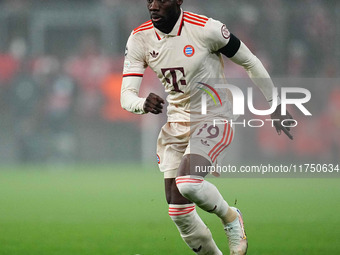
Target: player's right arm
column 129, row 98
column 134, row 67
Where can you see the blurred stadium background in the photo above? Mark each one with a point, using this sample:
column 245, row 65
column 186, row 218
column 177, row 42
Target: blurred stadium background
column 71, row 180
column 61, row 64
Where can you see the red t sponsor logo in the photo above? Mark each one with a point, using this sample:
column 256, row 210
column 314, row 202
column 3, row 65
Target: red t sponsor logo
column 173, row 74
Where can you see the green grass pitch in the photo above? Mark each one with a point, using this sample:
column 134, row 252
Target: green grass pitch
column 121, row 210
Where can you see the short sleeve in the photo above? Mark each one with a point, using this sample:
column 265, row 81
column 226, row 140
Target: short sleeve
column 217, row 35
column 134, row 64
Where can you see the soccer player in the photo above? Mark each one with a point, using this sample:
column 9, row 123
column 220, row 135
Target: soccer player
column 184, row 50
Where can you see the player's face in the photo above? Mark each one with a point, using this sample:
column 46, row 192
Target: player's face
column 164, row 13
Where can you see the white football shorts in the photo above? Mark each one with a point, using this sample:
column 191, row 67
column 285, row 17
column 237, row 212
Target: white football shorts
column 177, row 139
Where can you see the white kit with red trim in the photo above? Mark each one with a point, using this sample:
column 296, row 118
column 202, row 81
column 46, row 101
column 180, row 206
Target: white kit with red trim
column 183, row 59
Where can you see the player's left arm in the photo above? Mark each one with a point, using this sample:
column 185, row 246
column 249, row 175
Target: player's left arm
column 239, row 53
column 218, row 39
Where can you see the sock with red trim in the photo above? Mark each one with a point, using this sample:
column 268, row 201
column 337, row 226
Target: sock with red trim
column 193, row 230
column 202, row 193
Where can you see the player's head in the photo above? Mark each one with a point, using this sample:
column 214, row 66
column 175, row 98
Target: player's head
column 164, row 13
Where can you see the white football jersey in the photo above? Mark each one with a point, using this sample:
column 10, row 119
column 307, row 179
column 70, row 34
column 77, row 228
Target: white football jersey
column 186, row 60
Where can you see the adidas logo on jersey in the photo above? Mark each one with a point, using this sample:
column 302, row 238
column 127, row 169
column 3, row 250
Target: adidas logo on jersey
column 154, row 54
column 205, row 143
column 198, row 249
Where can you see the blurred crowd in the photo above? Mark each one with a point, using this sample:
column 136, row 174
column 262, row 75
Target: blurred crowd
column 48, row 100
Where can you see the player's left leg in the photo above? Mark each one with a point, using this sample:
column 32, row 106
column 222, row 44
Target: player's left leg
column 171, row 145
column 191, row 185
column 190, row 226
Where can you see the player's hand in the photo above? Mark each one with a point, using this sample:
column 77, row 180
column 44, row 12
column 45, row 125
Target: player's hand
column 278, row 118
column 153, row 104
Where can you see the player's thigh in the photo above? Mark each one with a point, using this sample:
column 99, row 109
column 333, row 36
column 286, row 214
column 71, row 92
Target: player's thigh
column 189, row 165
column 171, row 145
column 173, row 196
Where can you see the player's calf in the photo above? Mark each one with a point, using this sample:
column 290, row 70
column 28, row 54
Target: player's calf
column 193, row 230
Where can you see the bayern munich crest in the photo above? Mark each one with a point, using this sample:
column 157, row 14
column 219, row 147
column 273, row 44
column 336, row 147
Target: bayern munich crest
column 189, row 51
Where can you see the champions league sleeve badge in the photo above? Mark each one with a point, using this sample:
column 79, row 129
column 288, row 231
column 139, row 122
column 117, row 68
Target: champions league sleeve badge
column 225, row 32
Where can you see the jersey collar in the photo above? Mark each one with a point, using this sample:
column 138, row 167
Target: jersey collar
column 176, row 31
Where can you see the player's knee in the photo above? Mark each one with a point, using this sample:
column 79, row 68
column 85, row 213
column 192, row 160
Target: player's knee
column 191, row 163
column 189, row 186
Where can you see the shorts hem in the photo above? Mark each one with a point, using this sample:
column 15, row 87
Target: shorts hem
column 201, row 153
column 170, row 174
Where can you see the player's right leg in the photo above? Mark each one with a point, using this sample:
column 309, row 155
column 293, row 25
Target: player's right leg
column 191, row 185
column 207, row 144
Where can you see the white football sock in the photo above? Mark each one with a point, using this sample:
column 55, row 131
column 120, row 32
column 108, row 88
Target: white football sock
column 193, row 230
column 202, row 193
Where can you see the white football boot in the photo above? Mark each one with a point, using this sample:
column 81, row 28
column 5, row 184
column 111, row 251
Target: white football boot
column 237, row 238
